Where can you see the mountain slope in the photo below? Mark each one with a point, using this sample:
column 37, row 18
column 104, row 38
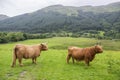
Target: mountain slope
column 59, row 18
column 113, row 7
column 2, row 17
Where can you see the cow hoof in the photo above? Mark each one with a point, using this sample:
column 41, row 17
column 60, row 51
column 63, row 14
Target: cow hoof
column 67, row 62
column 12, row 66
column 34, row 63
column 21, row 65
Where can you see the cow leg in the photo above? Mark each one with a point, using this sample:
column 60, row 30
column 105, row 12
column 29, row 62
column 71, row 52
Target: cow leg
column 35, row 60
column 73, row 60
column 20, row 61
column 32, row 60
column 87, row 61
column 68, row 58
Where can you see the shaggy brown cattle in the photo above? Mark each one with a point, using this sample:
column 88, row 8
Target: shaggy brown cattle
column 86, row 54
column 27, row 51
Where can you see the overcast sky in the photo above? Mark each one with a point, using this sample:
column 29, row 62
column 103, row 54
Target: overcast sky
column 18, row 7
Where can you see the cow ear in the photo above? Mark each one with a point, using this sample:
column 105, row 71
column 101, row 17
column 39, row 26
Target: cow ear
column 95, row 46
column 98, row 43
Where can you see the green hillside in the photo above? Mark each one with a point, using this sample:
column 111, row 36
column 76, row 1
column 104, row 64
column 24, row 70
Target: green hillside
column 83, row 20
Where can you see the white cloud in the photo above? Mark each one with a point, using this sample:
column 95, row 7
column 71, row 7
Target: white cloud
column 17, row 7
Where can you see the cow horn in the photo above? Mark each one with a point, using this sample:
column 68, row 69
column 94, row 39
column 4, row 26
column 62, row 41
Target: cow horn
column 98, row 43
column 42, row 43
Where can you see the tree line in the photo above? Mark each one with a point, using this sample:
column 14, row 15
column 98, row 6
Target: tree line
column 6, row 37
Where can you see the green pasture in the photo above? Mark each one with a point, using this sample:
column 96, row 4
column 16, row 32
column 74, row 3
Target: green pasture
column 51, row 65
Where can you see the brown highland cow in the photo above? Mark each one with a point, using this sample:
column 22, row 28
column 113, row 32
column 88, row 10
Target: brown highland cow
column 86, row 54
column 26, row 52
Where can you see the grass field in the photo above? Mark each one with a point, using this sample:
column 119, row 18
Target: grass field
column 51, row 65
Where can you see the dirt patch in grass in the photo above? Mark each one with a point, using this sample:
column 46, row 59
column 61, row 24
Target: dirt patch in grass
column 22, row 75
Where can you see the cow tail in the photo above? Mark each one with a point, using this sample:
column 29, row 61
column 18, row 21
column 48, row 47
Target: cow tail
column 68, row 56
column 14, row 57
column 15, row 52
